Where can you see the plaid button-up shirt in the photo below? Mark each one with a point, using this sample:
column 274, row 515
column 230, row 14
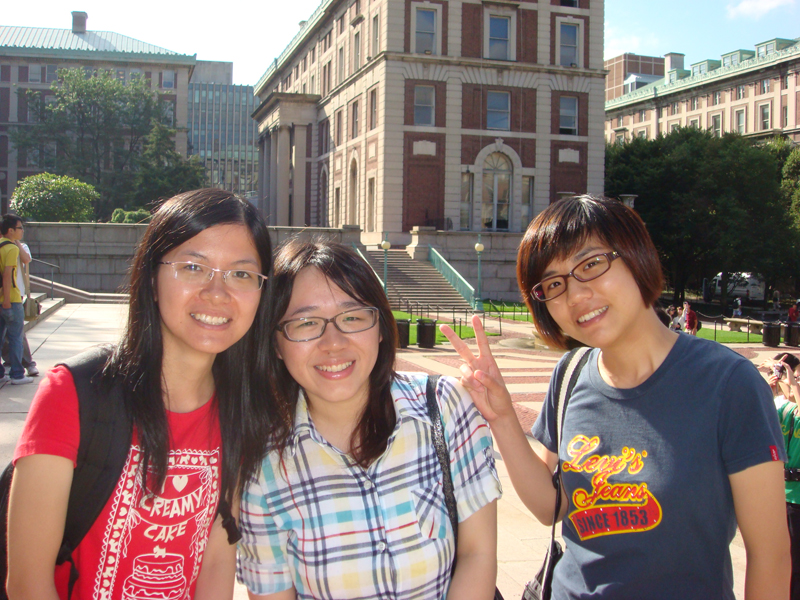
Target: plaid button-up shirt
column 316, row 520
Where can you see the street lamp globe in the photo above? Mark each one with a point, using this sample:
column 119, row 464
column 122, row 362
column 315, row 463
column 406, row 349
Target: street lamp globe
column 479, row 247
column 385, row 244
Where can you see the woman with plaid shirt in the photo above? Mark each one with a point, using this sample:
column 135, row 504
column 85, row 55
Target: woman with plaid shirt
column 349, row 502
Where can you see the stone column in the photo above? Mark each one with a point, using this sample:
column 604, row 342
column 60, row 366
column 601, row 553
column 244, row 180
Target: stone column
column 283, row 164
column 299, row 180
column 273, row 178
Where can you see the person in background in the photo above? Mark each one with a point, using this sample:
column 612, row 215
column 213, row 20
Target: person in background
column 794, row 312
column 23, row 284
column 690, row 318
column 737, row 308
column 12, row 315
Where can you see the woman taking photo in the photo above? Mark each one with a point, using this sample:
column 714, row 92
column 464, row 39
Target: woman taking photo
column 349, row 503
column 668, row 440
column 189, row 365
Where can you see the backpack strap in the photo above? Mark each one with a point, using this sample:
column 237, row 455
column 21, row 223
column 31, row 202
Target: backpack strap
column 105, row 439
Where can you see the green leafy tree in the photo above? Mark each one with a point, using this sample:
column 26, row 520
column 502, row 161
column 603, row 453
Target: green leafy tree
column 48, row 197
column 92, row 129
column 162, row 171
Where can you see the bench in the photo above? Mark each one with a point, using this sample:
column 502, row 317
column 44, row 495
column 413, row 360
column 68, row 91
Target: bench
column 737, row 324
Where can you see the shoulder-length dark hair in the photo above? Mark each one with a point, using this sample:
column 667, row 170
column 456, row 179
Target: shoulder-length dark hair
column 562, row 228
column 343, row 267
column 244, row 406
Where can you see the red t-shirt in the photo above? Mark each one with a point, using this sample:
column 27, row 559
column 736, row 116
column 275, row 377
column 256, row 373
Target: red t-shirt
column 139, row 548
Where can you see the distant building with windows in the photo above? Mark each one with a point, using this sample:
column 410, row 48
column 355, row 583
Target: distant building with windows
column 753, row 92
column 459, row 115
column 30, row 57
column 629, row 72
column 221, row 131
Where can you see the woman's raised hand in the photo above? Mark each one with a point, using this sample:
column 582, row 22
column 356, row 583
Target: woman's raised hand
column 480, row 374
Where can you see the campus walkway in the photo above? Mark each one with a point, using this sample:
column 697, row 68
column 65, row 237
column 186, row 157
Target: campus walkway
column 522, row 541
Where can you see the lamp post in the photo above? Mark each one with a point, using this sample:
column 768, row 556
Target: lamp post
column 479, row 250
column 385, row 245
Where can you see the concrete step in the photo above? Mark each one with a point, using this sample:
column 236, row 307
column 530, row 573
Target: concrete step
column 71, row 294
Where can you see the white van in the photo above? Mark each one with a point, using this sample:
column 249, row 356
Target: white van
column 742, row 285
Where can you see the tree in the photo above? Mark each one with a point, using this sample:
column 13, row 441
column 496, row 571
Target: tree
column 711, row 204
column 48, row 197
column 163, row 172
column 95, row 129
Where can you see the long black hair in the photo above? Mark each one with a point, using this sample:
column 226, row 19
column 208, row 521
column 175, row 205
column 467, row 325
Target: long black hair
column 244, row 407
column 342, row 266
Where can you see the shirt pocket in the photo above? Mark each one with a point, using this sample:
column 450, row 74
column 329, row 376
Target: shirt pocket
column 431, row 511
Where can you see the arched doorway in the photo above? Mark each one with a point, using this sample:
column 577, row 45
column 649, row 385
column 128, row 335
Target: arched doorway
column 496, row 204
column 352, row 208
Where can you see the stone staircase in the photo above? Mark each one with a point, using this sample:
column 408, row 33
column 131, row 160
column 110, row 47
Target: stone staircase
column 414, row 281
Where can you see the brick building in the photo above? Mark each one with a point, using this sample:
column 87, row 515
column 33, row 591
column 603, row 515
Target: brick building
column 752, row 92
column 628, row 72
column 461, row 115
column 30, row 57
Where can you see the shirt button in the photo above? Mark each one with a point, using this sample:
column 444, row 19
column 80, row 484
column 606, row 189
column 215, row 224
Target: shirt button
column 368, row 484
column 381, row 546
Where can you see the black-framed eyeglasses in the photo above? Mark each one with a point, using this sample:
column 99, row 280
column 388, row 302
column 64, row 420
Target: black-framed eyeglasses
column 306, row 329
column 239, row 280
column 586, row 270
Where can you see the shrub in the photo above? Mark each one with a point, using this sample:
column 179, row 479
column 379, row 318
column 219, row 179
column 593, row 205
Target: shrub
column 140, row 215
column 48, row 197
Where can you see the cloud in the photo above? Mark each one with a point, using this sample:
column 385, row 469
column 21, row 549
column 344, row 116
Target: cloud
column 618, row 41
column 755, row 9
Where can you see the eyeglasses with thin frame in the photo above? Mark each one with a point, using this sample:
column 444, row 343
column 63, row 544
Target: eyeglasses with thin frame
column 586, row 270
column 306, row 329
column 238, row 280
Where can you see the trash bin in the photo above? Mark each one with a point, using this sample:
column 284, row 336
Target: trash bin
column 792, row 335
column 426, row 333
column 771, row 334
column 403, row 329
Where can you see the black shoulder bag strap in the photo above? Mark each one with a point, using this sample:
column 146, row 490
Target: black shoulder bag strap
column 105, row 440
column 444, row 462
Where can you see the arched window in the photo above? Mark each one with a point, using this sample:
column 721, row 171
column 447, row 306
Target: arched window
column 496, row 207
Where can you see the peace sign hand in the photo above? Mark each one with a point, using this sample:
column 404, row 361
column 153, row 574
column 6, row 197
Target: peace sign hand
column 481, row 375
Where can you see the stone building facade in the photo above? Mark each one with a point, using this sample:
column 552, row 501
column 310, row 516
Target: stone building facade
column 753, row 92
column 459, row 115
column 31, row 56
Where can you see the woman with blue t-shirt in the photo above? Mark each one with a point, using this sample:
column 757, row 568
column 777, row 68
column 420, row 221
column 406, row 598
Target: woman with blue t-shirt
column 668, row 440
column 349, row 503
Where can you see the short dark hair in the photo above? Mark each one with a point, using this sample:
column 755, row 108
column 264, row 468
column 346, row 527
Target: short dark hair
column 342, row 266
column 10, row 221
column 790, row 359
column 562, row 228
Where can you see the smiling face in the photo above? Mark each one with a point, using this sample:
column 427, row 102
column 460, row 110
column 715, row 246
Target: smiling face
column 336, row 367
column 207, row 319
column 600, row 312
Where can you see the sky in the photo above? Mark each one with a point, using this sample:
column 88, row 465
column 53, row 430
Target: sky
column 251, row 37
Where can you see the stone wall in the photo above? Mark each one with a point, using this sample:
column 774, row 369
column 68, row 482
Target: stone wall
column 95, row 257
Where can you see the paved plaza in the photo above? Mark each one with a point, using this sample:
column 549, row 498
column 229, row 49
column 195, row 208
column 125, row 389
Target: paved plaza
column 522, row 540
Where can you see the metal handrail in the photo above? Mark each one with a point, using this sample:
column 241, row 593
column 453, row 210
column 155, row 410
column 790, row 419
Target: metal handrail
column 364, row 258
column 452, row 276
column 52, row 275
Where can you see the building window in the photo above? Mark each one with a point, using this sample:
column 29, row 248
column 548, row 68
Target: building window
column 425, row 32
column 568, row 45
column 424, row 104
column 676, row 108
column 50, row 73
column 376, row 33
column 642, row 134
column 168, row 80
column 572, row 3
column 764, row 115
column 568, row 116
column 338, row 129
column 674, row 127
column 694, row 123
column 499, row 37
column 498, row 110
column 354, row 128
column 337, row 207
column 357, row 51
column 716, row 125
column 619, row 121
column 497, row 174
column 642, row 116
column 313, row 55
column 620, row 139
column 716, row 98
column 695, row 103
column 784, row 82
column 371, row 204
column 311, row 88
column 526, row 202
column 340, row 78
column 466, row 202
column 726, row 61
column 741, row 92
column 35, row 74
column 325, row 136
column 785, row 114
column 341, row 25
column 765, row 86
column 741, row 128
column 673, row 77
column 373, row 109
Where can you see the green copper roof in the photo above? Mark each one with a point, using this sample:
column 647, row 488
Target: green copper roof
column 44, row 41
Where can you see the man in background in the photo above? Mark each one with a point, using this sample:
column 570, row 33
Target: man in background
column 12, row 313
column 23, row 284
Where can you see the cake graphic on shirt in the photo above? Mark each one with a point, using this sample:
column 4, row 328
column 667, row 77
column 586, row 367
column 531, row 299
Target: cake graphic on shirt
column 155, row 578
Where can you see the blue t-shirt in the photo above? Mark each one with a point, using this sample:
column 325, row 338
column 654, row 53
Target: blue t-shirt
column 646, row 472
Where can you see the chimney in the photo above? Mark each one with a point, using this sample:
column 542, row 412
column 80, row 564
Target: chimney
column 79, row 21
column 672, row 61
